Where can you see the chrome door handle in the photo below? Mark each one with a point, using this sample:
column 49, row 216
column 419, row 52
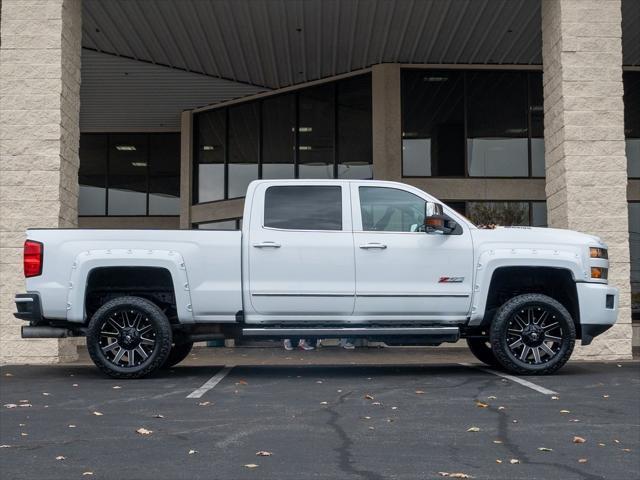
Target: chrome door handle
column 267, row 245
column 368, row 246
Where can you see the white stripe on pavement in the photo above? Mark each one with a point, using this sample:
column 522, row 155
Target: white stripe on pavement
column 209, row 384
column 524, row 383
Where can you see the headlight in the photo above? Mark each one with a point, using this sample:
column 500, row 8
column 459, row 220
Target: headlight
column 595, row 252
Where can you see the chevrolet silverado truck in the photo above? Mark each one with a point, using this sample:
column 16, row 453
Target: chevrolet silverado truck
column 378, row 260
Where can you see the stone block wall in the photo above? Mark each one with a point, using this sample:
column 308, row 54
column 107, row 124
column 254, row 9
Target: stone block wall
column 39, row 139
column 586, row 166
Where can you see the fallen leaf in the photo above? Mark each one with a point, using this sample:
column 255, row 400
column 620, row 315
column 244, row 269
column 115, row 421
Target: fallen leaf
column 501, row 407
column 263, row 453
column 473, row 429
column 251, row 465
column 28, row 405
column 74, row 385
column 394, row 408
column 515, row 421
column 324, row 403
column 319, row 381
column 72, row 426
column 46, row 394
column 555, row 398
column 498, row 460
column 578, row 440
column 98, row 414
column 371, row 428
column 5, row 446
column 116, row 387
column 616, row 441
column 23, row 401
column 497, row 441
column 513, row 461
column 376, row 403
column 24, row 434
column 339, row 391
column 10, row 405
column 193, row 452
column 605, row 396
column 157, row 415
column 22, row 424
column 144, row 431
column 480, row 404
column 87, row 473
column 491, row 397
column 367, row 418
column 60, row 457
column 454, row 475
column 565, row 411
column 626, row 449
column 368, row 397
column 574, row 420
column 204, row 404
column 419, row 392
column 8, row 374
column 602, row 444
column 545, row 449
column 242, row 382
column 582, row 460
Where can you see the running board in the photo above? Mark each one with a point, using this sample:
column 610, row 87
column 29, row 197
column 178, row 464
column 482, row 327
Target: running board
column 444, row 334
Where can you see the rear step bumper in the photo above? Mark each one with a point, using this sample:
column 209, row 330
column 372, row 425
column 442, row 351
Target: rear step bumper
column 442, row 334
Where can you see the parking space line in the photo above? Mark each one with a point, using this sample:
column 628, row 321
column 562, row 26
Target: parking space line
column 521, row 381
column 209, row 384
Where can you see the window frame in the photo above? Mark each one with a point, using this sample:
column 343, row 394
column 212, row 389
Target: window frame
column 465, row 74
column 335, row 86
column 107, row 183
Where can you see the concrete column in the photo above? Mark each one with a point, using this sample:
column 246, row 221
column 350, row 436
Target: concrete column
column 387, row 122
column 39, row 138
column 586, row 167
column 186, row 169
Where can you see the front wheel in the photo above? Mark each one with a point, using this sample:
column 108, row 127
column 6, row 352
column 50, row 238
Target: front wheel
column 129, row 337
column 481, row 349
column 532, row 334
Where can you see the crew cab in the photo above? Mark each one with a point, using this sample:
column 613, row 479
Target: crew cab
column 321, row 259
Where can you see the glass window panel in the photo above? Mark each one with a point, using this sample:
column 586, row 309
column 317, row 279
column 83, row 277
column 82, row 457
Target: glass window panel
column 315, row 132
column 539, row 214
column 128, row 156
column 497, row 143
column 219, row 225
column 355, row 154
column 244, row 147
column 164, row 174
column 92, row 175
column 632, row 121
column 433, row 123
column 390, row 210
column 499, row 213
column 210, row 154
column 634, row 241
column 303, row 207
column 278, row 137
column 536, row 109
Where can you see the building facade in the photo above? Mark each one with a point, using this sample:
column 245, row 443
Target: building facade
column 156, row 114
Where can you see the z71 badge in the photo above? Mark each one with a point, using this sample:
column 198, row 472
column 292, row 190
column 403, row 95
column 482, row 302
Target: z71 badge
column 451, row 280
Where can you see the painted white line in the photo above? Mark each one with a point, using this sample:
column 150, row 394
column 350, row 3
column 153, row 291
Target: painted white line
column 521, row 381
column 209, row 384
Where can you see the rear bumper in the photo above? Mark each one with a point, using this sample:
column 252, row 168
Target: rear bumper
column 28, row 307
column 598, row 309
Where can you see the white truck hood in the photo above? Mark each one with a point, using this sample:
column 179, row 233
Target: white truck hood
column 535, row 237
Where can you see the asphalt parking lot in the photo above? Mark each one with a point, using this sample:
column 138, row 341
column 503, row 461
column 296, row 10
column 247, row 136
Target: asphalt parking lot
column 320, row 421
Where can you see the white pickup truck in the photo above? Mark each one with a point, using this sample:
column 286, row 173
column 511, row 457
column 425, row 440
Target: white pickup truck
column 321, row 259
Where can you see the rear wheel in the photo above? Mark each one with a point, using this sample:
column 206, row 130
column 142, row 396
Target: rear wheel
column 129, row 337
column 481, row 349
column 178, row 353
column 532, row 334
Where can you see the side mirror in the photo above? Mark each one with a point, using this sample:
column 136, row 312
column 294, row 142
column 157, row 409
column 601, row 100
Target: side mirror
column 435, row 220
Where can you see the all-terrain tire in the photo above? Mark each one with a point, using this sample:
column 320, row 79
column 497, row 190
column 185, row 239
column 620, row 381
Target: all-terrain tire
column 481, row 349
column 156, row 323
column 511, row 314
column 178, row 353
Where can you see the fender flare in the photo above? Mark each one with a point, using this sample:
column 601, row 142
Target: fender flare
column 89, row 260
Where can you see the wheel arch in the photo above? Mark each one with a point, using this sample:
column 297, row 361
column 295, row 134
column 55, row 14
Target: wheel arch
column 159, row 276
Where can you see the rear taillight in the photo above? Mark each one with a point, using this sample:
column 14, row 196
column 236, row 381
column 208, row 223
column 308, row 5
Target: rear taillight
column 33, row 252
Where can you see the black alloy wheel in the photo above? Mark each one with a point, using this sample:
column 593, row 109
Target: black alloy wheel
column 532, row 334
column 129, row 337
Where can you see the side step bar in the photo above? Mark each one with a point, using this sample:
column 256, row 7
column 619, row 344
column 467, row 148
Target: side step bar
column 443, row 333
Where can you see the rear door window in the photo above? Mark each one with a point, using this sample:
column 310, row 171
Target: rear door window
column 300, row 207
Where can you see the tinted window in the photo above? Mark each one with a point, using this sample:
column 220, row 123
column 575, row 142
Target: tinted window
column 210, row 154
column 632, row 121
column 164, row 174
column 390, row 210
column 128, row 163
column 303, row 208
column 354, row 128
column 315, row 132
column 433, row 123
column 93, row 175
column 278, row 136
column 244, row 147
